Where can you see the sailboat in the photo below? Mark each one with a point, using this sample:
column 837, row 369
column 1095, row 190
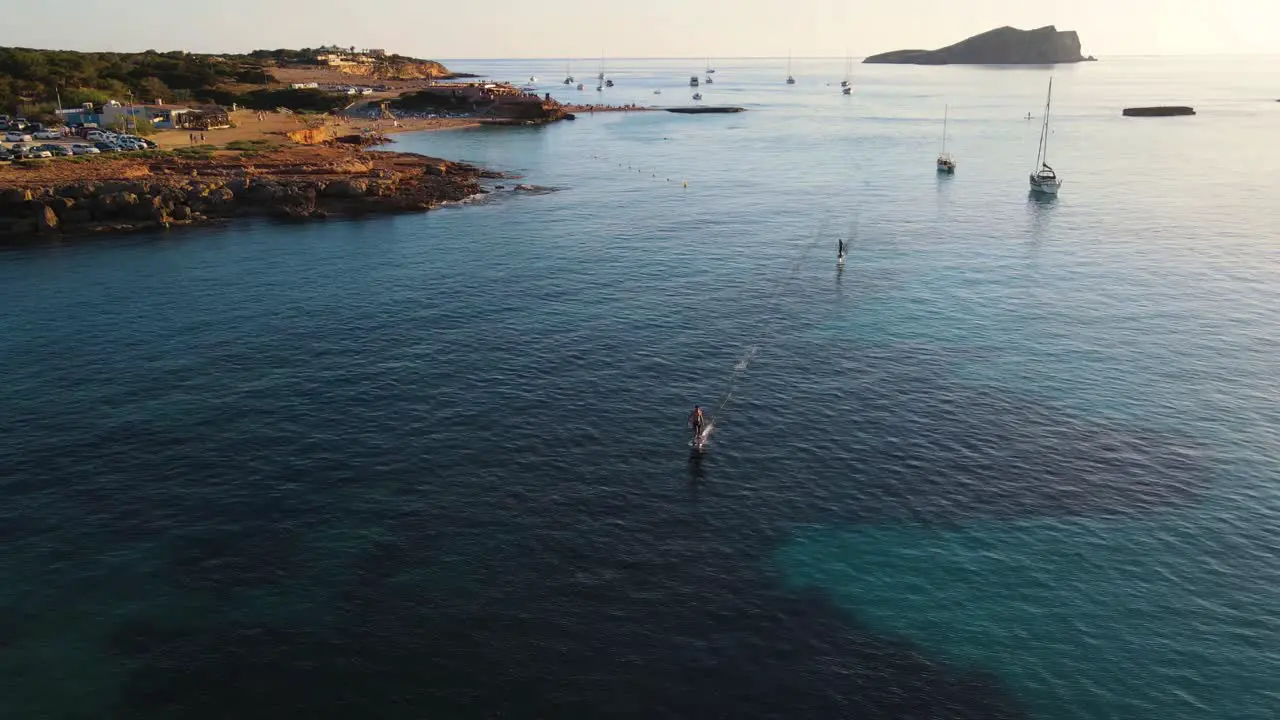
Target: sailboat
column 946, row 163
column 1044, row 179
column 790, row 78
column 710, row 69
column 846, row 85
column 568, row 75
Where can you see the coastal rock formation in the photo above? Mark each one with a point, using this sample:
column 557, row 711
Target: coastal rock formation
column 304, row 183
column 312, row 136
column 1002, row 46
column 498, row 104
column 399, row 70
column 1159, row 111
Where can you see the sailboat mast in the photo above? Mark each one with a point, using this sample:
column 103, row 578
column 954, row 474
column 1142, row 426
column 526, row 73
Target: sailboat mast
column 1042, row 151
column 946, row 111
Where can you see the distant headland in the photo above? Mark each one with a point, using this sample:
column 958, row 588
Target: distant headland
column 152, row 141
column 1002, row 46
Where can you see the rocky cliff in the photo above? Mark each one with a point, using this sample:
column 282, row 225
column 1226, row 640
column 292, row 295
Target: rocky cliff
column 44, row 203
column 1002, row 46
column 399, row 70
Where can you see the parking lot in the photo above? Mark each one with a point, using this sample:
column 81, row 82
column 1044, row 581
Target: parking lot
column 27, row 144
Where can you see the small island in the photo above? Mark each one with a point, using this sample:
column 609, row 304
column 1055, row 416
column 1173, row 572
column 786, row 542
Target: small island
column 1002, row 46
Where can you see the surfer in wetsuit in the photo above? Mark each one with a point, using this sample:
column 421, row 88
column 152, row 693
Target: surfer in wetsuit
column 695, row 422
column 840, row 251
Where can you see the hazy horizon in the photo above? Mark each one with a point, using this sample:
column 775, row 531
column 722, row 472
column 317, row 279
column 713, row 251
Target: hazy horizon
column 566, row 29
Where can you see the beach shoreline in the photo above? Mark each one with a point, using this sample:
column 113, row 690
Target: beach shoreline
column 285, row 165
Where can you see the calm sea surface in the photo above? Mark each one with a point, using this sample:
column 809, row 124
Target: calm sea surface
column 1019, row 459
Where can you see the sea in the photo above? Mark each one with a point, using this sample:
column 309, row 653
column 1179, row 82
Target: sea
column 1019, row 458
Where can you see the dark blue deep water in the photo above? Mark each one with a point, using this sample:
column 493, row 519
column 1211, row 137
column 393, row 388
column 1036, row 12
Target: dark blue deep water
column 1018, row 459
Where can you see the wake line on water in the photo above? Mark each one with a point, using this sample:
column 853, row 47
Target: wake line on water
column 766, row 335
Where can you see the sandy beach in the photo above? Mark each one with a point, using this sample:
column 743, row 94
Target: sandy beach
column 274, row 127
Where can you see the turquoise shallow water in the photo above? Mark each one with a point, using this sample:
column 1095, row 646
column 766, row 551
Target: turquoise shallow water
column 1017, row 460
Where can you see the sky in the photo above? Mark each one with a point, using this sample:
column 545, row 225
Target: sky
column 651, row 28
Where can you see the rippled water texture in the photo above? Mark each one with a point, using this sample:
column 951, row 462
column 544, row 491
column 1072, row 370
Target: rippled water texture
column 1016, row 460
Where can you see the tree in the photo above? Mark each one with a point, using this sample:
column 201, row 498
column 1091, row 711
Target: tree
column 153, row 88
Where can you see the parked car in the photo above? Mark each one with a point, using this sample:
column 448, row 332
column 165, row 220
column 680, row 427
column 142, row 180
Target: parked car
column 5, row 155
column 56, row 150
column 107, row 147
column 14, row 136
column 36, row 153
column 81, row 149
column 48, row 134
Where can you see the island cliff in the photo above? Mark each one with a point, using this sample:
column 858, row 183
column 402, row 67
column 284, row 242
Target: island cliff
column 1002, row 46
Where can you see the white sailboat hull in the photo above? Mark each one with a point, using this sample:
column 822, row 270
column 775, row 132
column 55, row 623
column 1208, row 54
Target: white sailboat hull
column 1047, row 187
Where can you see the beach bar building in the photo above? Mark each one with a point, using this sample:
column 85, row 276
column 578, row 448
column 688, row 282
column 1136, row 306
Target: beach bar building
column 162, row 116
column 205, row 117
column 87, row 114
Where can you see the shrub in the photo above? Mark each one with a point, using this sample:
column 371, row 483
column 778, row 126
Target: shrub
column 296, row 100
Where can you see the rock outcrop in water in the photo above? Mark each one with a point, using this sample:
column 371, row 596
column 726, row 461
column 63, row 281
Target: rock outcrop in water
column 1159, row 111
column 44, row 203
column 1002, row 46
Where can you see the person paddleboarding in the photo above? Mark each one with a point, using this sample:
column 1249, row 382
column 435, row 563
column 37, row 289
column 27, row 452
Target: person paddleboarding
column 841, row 250
column 696, row 421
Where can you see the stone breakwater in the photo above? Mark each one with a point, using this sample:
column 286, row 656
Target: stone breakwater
column 288, row 185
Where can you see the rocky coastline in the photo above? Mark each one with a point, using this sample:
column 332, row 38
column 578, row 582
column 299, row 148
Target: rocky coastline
column 54, row 201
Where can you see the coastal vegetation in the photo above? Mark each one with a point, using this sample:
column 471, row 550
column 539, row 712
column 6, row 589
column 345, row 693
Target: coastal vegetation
column 428, row 100
column 298, row 100
column 35, row 82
